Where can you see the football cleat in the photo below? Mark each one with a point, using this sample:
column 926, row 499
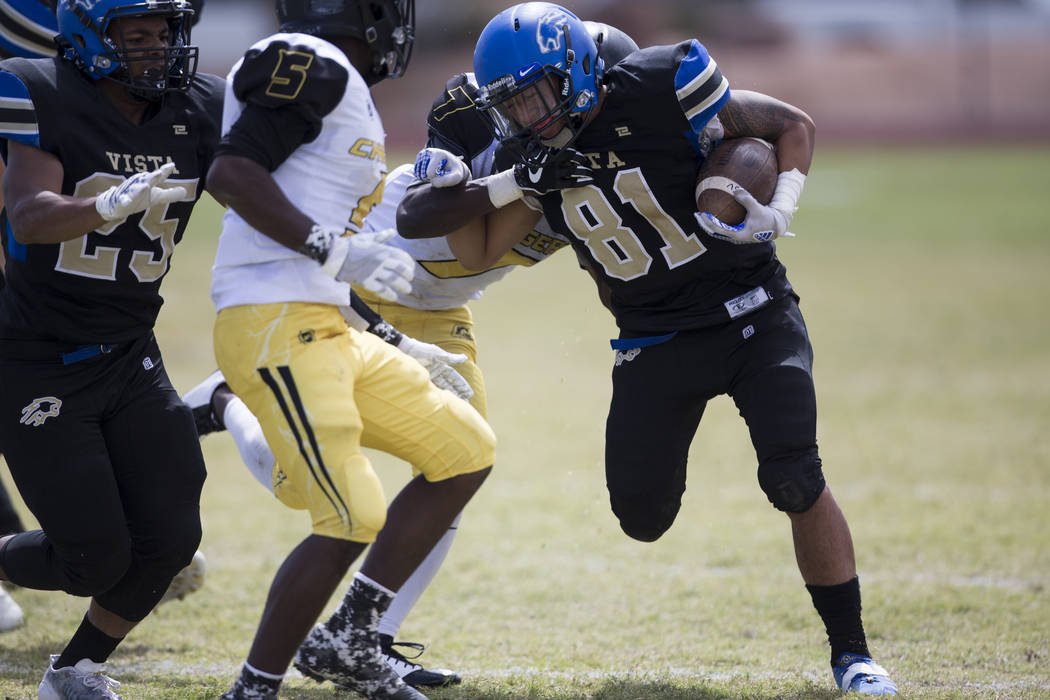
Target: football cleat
column 240, row 691
column 411, row 672
column 199, row 400
column 859, row 674
column 354, row 664
column 84, row 681
column 187, row 581
column 10, row 613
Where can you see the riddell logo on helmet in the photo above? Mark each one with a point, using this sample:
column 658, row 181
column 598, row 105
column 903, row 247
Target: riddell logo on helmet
column 549, row 30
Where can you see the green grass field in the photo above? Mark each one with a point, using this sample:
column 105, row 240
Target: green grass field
column 924, row 278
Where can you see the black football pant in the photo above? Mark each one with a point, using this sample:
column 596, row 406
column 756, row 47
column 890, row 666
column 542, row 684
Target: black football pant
column 106, row 457
column 764, row 362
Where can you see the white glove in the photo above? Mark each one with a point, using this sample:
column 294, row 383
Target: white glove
column 762, row 223
column 440, row 168
column 439, row 364
column 138, row 193
column 365, row 259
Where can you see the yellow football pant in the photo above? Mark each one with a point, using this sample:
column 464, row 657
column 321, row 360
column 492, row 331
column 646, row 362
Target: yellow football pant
column 321, row 390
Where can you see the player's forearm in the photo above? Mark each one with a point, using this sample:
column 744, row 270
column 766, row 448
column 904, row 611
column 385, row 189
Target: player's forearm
column 48, row 217
column 250, row 190
column 785, row 126
column 429, row 212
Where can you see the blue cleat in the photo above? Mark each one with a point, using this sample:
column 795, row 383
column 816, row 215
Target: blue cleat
column 859, row 674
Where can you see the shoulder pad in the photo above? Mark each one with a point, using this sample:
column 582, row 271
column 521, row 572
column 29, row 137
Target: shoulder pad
column 282, row 74
column 454, row 122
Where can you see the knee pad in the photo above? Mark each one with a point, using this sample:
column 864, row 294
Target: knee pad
column 645, row 518
column 173, row 544
column 792, row 483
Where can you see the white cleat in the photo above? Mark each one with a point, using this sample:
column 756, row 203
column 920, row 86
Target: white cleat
column 187, row 581
column 10, row 613
column 84, row 681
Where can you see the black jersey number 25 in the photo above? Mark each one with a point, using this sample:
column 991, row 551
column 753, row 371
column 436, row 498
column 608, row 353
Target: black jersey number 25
column 73, row 256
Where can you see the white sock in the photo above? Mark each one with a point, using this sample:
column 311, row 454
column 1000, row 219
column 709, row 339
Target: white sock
column 409, row 594
column 245, row 430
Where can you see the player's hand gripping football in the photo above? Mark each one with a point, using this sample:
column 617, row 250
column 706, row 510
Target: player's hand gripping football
column 440, row 168
column 439, row 364
column 559, row 170
column 366, row 259
column 138, row 193
column 763, row 223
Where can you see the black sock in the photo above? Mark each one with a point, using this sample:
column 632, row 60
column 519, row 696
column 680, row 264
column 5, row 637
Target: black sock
column 839, row 608
column 88, row 642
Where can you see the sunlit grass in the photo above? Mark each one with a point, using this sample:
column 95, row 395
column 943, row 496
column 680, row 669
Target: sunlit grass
column 923, row 278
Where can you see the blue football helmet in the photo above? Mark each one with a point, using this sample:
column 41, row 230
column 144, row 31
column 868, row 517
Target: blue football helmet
column 539, row 76
column 387, row 26
column 83, row 39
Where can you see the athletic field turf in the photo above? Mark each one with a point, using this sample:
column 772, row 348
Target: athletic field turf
column 924, row 277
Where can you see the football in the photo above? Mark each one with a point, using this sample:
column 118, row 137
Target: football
column 747, row 162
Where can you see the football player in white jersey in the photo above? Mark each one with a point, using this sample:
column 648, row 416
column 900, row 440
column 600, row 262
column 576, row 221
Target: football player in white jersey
column 434, row 310
column 301, row 163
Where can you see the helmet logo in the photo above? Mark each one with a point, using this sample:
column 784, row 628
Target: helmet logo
column 549, row 30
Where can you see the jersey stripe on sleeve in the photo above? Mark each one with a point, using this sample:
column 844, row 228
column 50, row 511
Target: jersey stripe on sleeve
column 701, row 88
column 27, row 28
column 17, row 114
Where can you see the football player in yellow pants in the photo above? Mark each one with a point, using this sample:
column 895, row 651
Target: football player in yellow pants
column 434, row 312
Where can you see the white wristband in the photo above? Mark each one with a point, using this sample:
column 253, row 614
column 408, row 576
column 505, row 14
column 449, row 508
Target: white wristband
column 502, row 188
column 787, row 191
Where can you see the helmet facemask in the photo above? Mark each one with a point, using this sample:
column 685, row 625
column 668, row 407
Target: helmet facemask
column 391, row 51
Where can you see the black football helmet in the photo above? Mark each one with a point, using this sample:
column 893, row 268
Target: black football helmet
column 387, row 26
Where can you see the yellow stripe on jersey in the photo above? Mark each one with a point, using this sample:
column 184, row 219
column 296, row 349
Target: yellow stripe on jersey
column 451, row 269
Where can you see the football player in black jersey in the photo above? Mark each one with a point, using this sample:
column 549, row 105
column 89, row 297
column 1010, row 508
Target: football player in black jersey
column 610, row 158
column 106, row 146
column 27, row 30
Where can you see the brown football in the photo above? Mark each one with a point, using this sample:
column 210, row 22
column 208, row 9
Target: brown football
column 750, row 163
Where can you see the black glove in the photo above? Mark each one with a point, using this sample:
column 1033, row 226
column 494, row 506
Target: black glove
column 559, row 170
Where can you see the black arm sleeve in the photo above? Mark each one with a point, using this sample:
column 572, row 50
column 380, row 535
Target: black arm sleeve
column 376, row 324
column 268, row 136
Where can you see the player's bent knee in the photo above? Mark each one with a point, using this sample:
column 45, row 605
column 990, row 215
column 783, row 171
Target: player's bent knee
column 357, row 510
column 645, row 519
column 792, row 483
column 174, row 544
column 97, row 571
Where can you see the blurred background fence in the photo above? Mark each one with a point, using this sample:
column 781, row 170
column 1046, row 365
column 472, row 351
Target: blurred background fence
column 893, row 70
